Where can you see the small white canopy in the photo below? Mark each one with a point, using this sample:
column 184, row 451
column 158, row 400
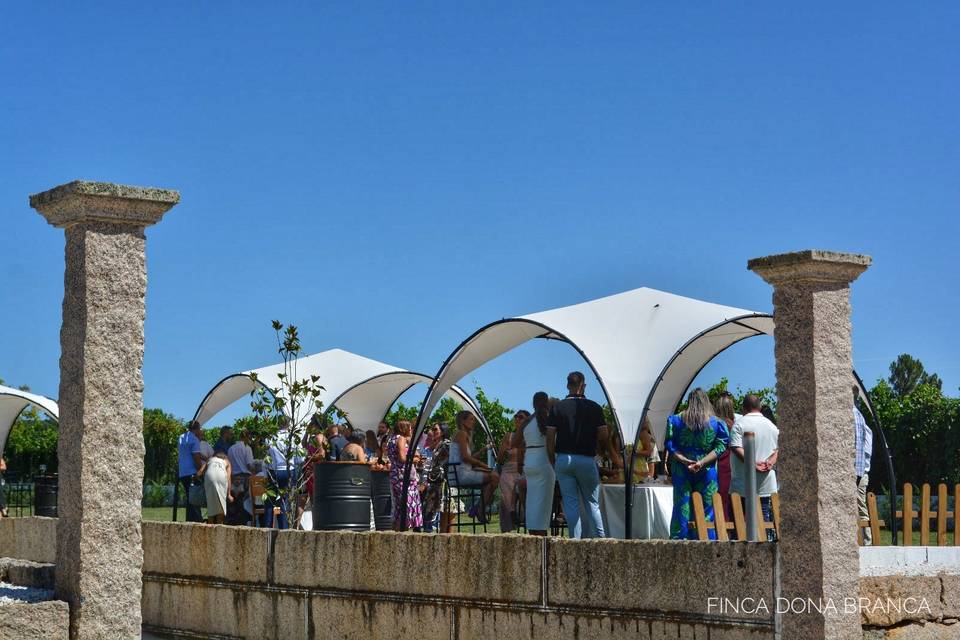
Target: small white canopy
column 364, row 389
column 644, row 346
column 13, row 402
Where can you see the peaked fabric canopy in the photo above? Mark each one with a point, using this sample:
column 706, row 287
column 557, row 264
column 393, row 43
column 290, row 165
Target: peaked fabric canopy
column 644, row 346
column 364, row 389
column 13, row 402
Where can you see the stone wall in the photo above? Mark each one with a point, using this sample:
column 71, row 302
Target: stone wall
column 240, row 582
column 254, row 583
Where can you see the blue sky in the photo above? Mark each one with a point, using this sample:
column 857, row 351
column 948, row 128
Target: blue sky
column 391, row 177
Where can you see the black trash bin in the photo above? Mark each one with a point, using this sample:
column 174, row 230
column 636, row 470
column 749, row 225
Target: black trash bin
column 382, row 500
column 341, row 496
column 45, row 496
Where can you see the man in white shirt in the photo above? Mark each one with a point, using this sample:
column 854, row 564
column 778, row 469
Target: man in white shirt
column 766, row 441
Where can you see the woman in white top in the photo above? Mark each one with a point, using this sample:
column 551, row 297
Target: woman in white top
column 536, row 467
column 470, row 470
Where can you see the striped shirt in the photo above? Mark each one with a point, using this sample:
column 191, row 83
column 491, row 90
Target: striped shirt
column 863, row 437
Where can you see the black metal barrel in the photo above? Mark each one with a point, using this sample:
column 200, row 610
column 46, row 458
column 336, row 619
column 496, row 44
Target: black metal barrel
column 45, row 496
column 341, row 496
column 382, row 501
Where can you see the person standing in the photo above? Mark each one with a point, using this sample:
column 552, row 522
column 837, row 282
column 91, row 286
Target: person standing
column 225, row 442
column 438, row 443
column 766, row 442
column 535, row 466
column 724, row 409
column 863, row 441
column 3, row 489
column 508, row 459
column 190, row 465
column 216, row 486
column 337, row 442
column 280, row 460
column 242, row 466
column 695, row 439
column 575, row 428
column 398, row 448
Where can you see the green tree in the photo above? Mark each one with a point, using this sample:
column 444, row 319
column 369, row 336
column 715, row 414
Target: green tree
column 767, row 395
column 32, row 443
column 403, row 412
column 446, row 412
column 498, row 417
column 923, row 433
column 161, row 431
column 907, row 373
column 286, row 410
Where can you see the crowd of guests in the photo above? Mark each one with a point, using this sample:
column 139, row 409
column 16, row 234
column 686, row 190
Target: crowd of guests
column 563, row 446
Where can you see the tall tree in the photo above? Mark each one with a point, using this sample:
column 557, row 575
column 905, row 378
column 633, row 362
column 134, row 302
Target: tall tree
column 907, row 373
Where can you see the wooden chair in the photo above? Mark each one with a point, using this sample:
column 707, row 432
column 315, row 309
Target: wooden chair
column 719, row 524
column 258, row 488
column 740, row 520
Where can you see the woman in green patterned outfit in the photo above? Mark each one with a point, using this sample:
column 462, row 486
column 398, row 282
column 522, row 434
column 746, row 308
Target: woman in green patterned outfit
column 695, row 439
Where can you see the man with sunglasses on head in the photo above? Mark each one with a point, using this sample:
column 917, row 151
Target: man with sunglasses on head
column 575, row 428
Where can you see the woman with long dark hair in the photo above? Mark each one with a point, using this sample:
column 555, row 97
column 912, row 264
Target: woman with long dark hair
column 695, row 439
column 536, row 467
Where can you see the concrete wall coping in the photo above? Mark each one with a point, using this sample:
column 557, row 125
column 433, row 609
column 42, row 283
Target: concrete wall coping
column 909, row 561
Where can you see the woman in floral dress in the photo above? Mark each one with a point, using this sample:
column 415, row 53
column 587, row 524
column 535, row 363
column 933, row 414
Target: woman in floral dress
column 397, row 449
column 695, row 439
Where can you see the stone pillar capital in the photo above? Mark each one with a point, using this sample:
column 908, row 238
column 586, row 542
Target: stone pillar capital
column 83, row 201
column 812, row 267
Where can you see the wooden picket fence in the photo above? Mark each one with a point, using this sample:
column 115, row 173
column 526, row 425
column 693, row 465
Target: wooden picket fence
column 933, row 522
column 739, row 524
column 905, row 517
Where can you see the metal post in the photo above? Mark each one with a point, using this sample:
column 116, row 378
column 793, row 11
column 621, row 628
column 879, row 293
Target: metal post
column 750, row 484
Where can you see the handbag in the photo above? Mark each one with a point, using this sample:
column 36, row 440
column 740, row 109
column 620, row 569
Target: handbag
column 197, row 496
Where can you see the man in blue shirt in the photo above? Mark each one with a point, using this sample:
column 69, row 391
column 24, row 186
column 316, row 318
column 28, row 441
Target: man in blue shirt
column 188, row 454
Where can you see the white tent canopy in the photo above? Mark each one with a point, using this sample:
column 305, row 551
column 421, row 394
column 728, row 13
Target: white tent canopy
column 364, row 389
column 644, row 346
column 13, row 402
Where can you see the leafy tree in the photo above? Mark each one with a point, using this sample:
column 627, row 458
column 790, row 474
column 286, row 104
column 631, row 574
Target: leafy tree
column 767, row 395
column 161, row 431
column 285, row 411
column 907, row 373
column 257, row 429
column 499, row 418
column 32, row 443
column 923, row 433
column 446, row 412
column 403, row 412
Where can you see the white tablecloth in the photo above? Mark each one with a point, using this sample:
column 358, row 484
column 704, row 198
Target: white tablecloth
column 652, row 509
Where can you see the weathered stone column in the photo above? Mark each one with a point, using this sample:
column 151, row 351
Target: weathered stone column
column 100, row 451
column 818, row 548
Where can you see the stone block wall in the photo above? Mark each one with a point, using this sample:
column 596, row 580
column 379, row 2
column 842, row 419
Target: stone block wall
column 241, row 582
column 237, row 582
column 32, row 539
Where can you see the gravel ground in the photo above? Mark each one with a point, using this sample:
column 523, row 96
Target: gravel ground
column 15, row 594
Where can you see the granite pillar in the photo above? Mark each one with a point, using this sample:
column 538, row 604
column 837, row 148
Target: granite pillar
column 100, row 451
column 819, row 560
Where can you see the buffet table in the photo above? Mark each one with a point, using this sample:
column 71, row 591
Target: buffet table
column 652, row 509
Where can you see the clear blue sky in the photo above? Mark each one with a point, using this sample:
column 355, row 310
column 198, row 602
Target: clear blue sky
column 392, row 176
